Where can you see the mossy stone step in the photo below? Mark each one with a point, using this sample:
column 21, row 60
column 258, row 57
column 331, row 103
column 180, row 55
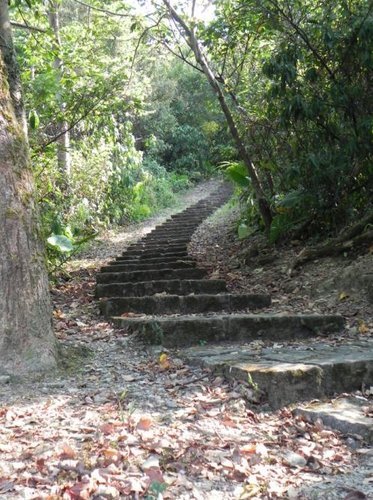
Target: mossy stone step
column 173, row 287
column 117, row 267
column 161, row 239
column 181, row 254
column 187, row 304
column 285, row 375
column 150, row 275
column 151, row 260
column 161, row 249
column 190, row 330
column 165, row 241
column 181, row 232
column 172, row 225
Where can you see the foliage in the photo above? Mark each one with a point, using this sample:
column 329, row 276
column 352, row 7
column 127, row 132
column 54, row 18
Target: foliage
column 298, row 74
column 134, row 140
column 143, row 124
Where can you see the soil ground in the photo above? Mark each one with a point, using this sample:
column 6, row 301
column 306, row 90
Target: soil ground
column 120, row 420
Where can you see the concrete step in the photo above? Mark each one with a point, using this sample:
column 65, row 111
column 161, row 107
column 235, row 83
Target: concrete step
column 172, row 224
column 173, row 287
column 187, row 304
column 150, row 275
column 116, row 267
column 172, row 233
column 195, row 217
column 163, row 241
column 281, row 376
column 190, row 330
column 151, row 260
column 154, row 247
column 181, row 254
column 160, row 249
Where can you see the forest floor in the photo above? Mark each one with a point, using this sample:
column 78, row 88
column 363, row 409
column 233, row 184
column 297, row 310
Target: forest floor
column 120, row 421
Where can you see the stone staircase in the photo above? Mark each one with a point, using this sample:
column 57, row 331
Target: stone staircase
column 156, row 290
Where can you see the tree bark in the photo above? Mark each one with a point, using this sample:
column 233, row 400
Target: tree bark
column 263, row 204
column 27, row 342
column 63, row 130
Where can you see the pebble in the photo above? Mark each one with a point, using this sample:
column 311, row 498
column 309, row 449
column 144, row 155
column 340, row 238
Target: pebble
column 294, row 459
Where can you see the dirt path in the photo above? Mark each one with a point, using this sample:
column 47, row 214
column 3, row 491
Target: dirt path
column 123, row 421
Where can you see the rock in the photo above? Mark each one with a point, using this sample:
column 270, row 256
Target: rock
column 345, row 415
column 4, row 379
column 294, row 459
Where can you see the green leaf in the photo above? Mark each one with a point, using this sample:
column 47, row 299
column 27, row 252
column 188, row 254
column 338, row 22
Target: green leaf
column 33, row 119
column 243, row 231
column 61, row 243
column 237, row 173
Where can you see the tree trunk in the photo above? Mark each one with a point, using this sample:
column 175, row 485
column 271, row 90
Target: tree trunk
column 263, row 204
column 63, row 142
column 27, row 342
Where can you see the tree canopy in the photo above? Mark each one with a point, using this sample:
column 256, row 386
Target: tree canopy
column 128, row 105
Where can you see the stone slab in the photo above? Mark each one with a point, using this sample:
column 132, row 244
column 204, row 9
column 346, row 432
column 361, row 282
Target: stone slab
column 345, row 414
column 150, row 275
column 182, row 254
column 285, row 375
column 190, row 330
column 152, row 260
column 118, row 267
column 173, row 287
column 158, row 250
column 167, row 241
column 187, row 304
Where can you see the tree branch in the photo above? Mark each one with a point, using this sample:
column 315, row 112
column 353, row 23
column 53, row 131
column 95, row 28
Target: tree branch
column 104, row 11
column 27, row 27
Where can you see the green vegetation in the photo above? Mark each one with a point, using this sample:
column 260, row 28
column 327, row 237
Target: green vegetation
column 125, row 110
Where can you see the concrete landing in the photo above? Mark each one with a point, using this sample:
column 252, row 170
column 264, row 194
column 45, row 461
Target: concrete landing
column 283, row 375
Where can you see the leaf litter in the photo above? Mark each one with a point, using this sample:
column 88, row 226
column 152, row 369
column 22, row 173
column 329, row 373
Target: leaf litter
column 124, row 421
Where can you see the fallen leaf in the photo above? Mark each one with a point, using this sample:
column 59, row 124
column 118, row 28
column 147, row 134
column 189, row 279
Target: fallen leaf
column 107, row 428
column 164, row 361
column 343, row 296
column 67, row 452
column 144, row 424
column 363, row 328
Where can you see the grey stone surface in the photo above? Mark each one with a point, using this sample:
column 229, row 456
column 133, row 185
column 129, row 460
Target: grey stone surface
column 290, row 374
column 161, row 249
column 176, row 287
column 118, row 267
column 187, row 304
column 346, row 414
column 150, row 275
column 151, row 260
column 191, row 330
column 155, row 254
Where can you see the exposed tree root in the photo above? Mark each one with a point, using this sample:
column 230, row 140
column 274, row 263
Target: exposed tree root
column 359, row 234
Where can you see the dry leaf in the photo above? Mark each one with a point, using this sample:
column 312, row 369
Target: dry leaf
column 67, row 452
column 144, row 424
column 363, row 328
column 343, row 296
column 164, row 361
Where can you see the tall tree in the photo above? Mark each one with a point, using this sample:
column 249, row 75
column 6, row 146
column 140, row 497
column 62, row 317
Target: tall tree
column 202, row 60
column 63, row 132
column 27, row 342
